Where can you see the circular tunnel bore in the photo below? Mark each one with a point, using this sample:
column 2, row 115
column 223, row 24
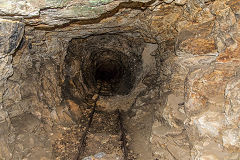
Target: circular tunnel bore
column 109, row 69
column 111, row 61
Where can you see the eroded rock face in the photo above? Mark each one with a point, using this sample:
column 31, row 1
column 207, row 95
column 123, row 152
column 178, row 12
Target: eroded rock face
column 188, row 103
column 10, row 35
column 58, row 12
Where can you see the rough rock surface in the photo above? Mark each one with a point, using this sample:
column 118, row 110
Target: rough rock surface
column 10, row 35
column 188, row 105
column 58, row 12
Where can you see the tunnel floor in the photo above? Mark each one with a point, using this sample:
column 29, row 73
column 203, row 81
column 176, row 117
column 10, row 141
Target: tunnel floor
column 98, row 134
column 102, row 140
column 107, row 134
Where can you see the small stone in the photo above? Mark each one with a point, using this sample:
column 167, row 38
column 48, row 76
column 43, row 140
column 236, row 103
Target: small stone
column 95, row 97
column 100, row 155
column 54, row 115
column 87, row 158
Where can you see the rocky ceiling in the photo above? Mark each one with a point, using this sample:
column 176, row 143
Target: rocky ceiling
column 170, row 66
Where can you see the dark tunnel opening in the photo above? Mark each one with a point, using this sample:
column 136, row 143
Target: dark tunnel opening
column 109, row 62
column 109, row 71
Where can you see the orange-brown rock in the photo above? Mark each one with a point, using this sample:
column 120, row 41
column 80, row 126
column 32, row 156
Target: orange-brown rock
column 230, row 55
column 197, row 39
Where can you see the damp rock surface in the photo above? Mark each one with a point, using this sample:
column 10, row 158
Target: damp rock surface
column 171, row 67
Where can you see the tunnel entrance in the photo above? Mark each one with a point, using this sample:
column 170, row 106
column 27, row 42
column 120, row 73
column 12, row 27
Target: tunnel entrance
column 98, row 69
column 83, row 72
column 99, row 88
column 111, row 61
column 108, row 74
column 109, row 71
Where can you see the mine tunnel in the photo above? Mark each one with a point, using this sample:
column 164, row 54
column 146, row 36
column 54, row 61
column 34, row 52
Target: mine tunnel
column 95, row 62
column 119, row 80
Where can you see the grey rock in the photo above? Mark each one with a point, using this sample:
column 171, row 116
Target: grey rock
column 100, row 155
column 11, row 33
column 87, row 158
column 58, row 12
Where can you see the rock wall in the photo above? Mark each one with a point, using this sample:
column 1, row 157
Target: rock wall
column 11, row 33
column 196, row 74
column 206, row 65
